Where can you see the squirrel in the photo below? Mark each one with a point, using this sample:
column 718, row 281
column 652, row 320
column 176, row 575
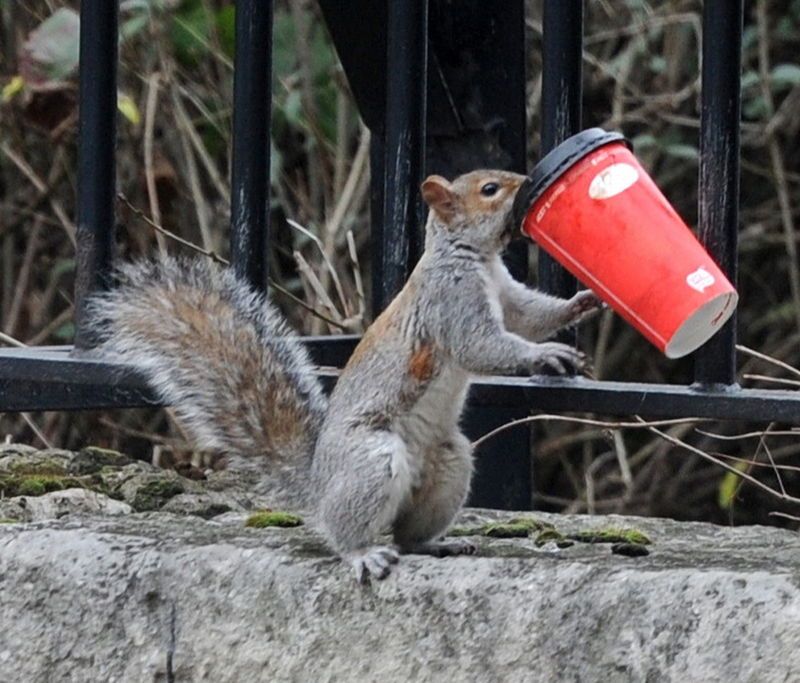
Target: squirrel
column 384, row 452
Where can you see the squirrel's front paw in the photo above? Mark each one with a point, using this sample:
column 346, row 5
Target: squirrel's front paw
column 584, row 304
column 559, row 357
column 376, row 561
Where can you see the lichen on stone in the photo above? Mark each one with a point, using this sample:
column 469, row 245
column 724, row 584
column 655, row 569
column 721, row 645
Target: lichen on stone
column 152, row 494
column 269, row 518
column 611, row 535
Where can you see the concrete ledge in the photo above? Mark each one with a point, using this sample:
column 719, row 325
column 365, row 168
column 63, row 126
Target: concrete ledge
column 162, row 597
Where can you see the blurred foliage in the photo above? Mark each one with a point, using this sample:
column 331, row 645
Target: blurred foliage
column 641, row 64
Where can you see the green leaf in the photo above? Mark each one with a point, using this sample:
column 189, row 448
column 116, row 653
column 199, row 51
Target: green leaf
column 729, row 485
column 681, row 151
column 644, row 140
column 786, row 74
column 293, row 108
column 658, row 64
column 190, row 32
column 15, row 86
column 226, row 29
column 275, row 164
column 284, row 56
column 66, row 332
column 749, row 79
column 50, row 55
column 130, row 27
column 755, row 109
column 128, row 108
column 62, row 267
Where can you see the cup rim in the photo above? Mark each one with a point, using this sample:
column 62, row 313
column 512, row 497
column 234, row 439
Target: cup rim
column 553, row 165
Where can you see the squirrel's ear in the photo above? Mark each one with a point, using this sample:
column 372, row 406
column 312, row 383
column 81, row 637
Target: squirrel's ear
column 439, row 196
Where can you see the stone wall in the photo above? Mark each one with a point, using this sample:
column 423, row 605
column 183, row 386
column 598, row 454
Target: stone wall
column 104, row 593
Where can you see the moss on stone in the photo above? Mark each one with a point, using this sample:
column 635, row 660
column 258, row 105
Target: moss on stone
column 547, row 535
column 49, row 466
column 8, row 520
column 519, row 527
column 268, row 518
column 93, row 459
column 27, row 484
column 611, row 535
column 153, row 494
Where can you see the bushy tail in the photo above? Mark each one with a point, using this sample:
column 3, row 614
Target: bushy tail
column 221, row 355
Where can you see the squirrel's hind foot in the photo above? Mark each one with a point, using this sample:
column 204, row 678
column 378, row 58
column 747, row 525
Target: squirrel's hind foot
column 374, row 562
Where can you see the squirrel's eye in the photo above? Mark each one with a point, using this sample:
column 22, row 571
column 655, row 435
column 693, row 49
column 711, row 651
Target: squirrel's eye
column 489, row 189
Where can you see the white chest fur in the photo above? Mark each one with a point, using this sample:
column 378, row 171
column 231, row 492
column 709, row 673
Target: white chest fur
column 495, row 276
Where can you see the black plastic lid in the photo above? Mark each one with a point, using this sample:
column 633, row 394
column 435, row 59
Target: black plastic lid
column 556, row 162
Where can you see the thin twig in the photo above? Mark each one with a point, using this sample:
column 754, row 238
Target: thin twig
column 168, row 233
column 153, row 83
column 218, row 259
column 775, row 380
column 53, row 325
column 313, row 281
column 785, row 515
column 720, row 463
column 608, row 424
column 351, row 246
column 776, row 158
column 8, row 339
column 41, row 186
column 23, row 278
column 747, row 435
column 768, row 359
column 198, row 197
column 334, row 275
column 183, row 120
column 749, row 461
column 35, row 429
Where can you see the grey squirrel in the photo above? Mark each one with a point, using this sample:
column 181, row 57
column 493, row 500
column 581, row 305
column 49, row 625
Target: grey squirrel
column 384, row 452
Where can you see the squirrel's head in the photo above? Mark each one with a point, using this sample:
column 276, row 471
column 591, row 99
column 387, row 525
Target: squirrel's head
column 476, row 206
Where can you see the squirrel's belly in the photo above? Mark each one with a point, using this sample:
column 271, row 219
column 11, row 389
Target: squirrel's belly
column 435, row 415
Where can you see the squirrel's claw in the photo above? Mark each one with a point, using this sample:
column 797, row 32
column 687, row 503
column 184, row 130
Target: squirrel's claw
column 373, row 562
column 558, row 356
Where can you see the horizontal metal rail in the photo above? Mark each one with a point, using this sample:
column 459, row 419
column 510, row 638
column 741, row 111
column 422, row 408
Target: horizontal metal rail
column 83, row 383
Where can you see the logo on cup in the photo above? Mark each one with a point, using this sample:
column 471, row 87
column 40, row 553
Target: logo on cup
column 700, row 279
column 612, row 181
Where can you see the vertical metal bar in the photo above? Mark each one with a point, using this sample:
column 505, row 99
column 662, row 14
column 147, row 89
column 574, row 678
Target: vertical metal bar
column 718, row 194
column 96, row 140
column 562, row 75
column 252, row 97
column 404, row 145
column 378, row 227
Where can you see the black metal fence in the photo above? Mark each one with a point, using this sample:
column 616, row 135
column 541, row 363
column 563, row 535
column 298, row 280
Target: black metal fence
column 441, row 85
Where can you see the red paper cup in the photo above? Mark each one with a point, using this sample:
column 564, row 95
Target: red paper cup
column 591, row 205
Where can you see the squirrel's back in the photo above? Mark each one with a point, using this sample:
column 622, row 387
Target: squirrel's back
column 219, row 353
